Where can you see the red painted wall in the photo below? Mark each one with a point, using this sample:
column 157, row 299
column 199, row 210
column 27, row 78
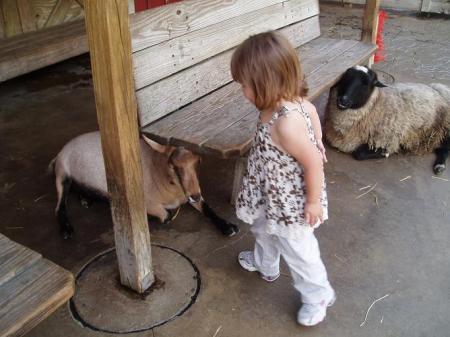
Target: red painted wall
column 141, row 5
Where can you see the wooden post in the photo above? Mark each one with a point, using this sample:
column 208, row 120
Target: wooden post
column 370, row 24
column 239, row 170
column 110, row 48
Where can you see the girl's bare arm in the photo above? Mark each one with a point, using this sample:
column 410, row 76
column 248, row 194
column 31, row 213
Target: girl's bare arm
column 291, row 134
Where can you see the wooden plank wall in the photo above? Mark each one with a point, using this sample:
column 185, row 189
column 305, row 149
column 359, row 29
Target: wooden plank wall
column 182, row 51
column 23, row 16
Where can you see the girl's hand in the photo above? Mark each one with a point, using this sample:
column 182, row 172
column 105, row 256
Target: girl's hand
column 313, row 213
column 322, row 150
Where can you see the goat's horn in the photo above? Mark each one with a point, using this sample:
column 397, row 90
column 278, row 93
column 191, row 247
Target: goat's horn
column 154, row 145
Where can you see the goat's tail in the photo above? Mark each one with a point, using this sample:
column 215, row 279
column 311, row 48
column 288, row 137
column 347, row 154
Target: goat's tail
column 51, row 166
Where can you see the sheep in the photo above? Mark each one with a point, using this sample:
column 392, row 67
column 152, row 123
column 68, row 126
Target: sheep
column 170, row 179
column 371, row 120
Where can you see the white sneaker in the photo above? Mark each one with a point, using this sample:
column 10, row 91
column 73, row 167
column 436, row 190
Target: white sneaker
column 247, row 261
column 313, row 314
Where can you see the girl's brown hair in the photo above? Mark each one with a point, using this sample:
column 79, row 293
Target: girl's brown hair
column 269, row 64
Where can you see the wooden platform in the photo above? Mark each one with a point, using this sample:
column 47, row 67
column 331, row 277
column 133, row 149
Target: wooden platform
column 31, row 288
column 223, row 123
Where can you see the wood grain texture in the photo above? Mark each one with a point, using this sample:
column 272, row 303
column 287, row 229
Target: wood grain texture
column 164, row 59
column 27, row 18
column 31, row 288
column 24, row 53
column 192, row 126
column 42, row 9
column 160, row 24
column 75, row 12
column 223, row 123
column 370, row 21
column 59, row 12
column 11, row 18
column 173, row 92
column 2, row 24
column 110, row 48
column 32, row 296
column 239, row 169
column 14, row 259
column 370, row 24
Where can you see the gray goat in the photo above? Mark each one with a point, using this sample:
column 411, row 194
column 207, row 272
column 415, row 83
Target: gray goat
column 169, row 173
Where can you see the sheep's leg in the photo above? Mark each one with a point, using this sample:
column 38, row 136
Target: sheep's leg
column 227, row 228
column 62, row 189
column 364, row 152
column 442, row 154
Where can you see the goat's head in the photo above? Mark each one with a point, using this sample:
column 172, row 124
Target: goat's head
column 183, row 168
column 355, row 87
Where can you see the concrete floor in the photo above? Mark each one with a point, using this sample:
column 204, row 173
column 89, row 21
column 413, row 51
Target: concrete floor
column 392, row 241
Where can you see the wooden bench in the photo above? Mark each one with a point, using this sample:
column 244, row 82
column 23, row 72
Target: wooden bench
column 31, row 288
column 181, row 56
column 24, row 53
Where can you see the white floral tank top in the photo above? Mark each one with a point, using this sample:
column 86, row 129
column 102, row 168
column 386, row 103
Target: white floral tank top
column 273, row 184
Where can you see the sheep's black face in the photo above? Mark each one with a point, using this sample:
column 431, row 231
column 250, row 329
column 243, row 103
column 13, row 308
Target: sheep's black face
column 355, row 87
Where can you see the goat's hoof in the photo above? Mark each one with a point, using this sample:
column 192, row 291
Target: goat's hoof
column 85, row 203
column 231, row 230
column 438, row 169
column 67, row 233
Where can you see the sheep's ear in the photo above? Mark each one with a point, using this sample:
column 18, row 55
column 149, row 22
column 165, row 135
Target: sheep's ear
column 379, row 84
column 164, row 149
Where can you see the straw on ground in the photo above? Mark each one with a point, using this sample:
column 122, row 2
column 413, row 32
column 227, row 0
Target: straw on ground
column 367, row 192
column 367, row 313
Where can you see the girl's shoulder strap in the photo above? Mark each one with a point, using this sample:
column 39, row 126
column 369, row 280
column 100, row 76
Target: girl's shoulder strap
column 302, row 109
column 281, row 112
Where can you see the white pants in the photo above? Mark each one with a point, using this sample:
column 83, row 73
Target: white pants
column 302, row 257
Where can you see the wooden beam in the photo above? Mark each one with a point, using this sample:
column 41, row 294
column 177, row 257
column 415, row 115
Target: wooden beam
column 370, row 24
column 58, row 13
column 27, row 17
column 81, row 3
column 2, row 24
column 131, row 7
column 11, row 18
column 110, row 47
column 23, row 53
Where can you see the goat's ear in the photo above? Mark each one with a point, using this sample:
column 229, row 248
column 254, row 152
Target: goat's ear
column 164, row 149
column 379, row 84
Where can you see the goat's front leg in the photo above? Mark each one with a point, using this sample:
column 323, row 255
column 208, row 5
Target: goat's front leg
column 364, row 152
column 227, row 228
column 159, row 212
